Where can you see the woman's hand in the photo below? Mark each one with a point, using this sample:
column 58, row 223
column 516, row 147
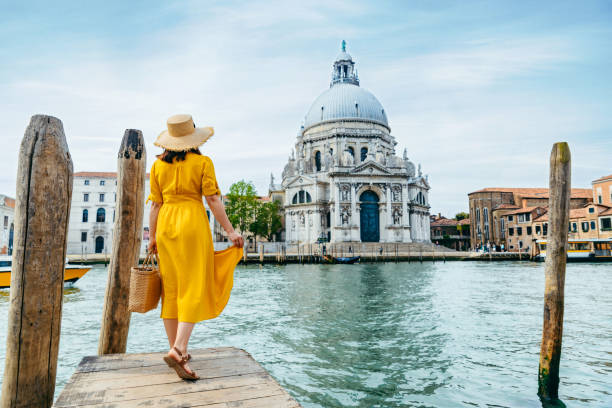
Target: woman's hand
column 236, row 239
column 152, row 245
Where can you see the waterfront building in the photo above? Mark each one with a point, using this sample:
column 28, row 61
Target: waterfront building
column 7, row 227
column 602, row 190
column 450, row 232
column 488, row 205
column 92, row 214
column 344, row 181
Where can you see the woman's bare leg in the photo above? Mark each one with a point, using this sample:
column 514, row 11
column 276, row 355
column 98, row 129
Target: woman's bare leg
column 182, row 339
column 171, row 326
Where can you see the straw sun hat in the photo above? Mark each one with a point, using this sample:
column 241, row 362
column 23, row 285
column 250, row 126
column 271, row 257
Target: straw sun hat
column 182, row 134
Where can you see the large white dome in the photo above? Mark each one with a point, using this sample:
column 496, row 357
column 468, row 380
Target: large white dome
column 346, row 101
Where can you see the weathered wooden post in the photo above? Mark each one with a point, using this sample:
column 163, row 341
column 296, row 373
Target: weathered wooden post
column 127, row 237
column 261, row 253
column 44, row 192
column 556, row 257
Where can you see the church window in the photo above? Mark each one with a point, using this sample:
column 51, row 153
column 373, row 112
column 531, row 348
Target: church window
column 85, row 215
column 308, row 199
column 364, row 153
column 351, row 151
column 295, row 199
column 318, row 160
column 101, row 215
column 301, row 195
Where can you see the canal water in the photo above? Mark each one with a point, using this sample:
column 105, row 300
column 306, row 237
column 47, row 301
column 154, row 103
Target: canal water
column 386, row 335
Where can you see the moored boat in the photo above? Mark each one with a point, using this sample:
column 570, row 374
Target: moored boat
column 72, row 273
column 581, row 250
column 341, row 259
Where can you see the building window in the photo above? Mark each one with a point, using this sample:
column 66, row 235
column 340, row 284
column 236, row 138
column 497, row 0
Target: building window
column 86, row 182
column 101, row 215
column 519, row 230
column 593, row 225
column 86, row 197
column 113, row 215
column 101, row 197
column 83, row 236
column 115, row 197
column 585, row 226
column 364, row 153
column 511, row 231
column 5, row 221
column 591, row 210
column 318, row 160
column 527, row 217
column 85, row 215
column 606, row 224
column 599, row 199
column 301, row 197
column 529, row 231
column 538, row 229
column 510, row 218
column 545, row 228
column 503, row 228
column 574, row 227
column 208, row 214
column 101, row 182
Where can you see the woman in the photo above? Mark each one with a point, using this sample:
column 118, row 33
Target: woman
column 196, row 281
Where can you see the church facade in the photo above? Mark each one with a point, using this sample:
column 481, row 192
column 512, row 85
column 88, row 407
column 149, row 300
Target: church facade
column 343, row 181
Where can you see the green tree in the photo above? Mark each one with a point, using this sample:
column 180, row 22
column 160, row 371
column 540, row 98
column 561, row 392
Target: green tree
column 242, row 206
column 267, row 220
column 461, row 216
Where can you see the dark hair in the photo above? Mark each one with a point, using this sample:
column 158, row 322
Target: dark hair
column 169, row 155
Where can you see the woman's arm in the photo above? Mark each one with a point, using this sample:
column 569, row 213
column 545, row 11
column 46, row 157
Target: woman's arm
column 218, row 209
column 153, row 225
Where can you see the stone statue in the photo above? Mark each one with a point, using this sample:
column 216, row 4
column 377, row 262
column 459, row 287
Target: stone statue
column 302, row 220
column 345, row 215
column 420, row 172
column 397, row 193
column 271, row 181
column 327, row 158
column 345, row 192
column 397, row 215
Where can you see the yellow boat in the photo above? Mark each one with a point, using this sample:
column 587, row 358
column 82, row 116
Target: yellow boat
column 586, row 250
column 72, row 273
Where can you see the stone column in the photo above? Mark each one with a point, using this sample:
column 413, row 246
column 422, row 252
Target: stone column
column 405, row 214
column 388, row 194
column 354, row 204
column 336, row 189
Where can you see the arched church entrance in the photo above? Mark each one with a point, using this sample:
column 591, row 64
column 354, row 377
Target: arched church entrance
column 99, row 245
column 370, row 226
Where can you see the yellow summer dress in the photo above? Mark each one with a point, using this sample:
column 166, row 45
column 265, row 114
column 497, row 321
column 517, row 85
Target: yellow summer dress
column 196, row 280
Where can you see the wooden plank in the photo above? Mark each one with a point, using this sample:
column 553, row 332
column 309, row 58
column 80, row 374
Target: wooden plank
column 230, row 377
column 198, row 399
column 95, row 363
column 44, row 191
column 171, row 386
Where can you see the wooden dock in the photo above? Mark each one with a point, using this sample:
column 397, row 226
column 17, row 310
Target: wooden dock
column 229, row 377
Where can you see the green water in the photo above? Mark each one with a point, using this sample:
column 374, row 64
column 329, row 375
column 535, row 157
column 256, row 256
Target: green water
column 386, row 335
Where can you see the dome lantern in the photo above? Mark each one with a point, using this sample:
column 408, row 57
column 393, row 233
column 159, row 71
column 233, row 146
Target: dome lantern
column 344, row 69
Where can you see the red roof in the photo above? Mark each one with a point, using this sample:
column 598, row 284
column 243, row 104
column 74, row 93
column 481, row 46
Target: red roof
column 9, row 202
column 604, row 178
column 506, row 206
column 444, row 222
column 465, row 221
column 521, row 210
column 534, row 192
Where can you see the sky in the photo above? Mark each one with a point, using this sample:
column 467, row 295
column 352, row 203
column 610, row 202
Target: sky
column 476, row 91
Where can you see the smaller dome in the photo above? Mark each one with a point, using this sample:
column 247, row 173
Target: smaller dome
column 344, row 56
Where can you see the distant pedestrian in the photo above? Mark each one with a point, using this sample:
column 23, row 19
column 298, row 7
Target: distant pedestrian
column 324, row 250
column 381, row 250
column 350, row 249
column 502, row 247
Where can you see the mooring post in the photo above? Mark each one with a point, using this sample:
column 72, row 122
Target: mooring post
column 44, row 192
column 261, row 253
column 556, row 257
column 127, row 237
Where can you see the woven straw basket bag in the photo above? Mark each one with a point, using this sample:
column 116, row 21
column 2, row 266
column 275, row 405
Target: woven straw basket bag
column 145, row 285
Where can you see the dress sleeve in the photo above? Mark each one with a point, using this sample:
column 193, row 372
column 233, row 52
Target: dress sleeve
column 154, row 185
column 209, row 181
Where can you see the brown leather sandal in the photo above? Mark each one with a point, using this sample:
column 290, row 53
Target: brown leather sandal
column 179, row 366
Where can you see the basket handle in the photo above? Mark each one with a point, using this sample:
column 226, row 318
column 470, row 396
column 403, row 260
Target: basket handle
column 151, row 259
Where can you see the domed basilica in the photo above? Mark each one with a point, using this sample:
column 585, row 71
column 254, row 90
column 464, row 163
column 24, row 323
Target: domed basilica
column 344, row 182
